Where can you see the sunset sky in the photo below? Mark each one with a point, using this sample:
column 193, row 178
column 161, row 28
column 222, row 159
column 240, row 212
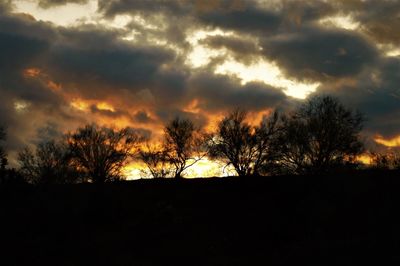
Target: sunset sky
column 140, row 63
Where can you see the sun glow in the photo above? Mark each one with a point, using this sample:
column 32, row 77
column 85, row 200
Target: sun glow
column 204, row 168
column 79, row 104
column 364, row 158
column 105, row 106
column 208, row 168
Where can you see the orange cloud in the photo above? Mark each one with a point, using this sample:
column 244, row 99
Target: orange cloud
column 105, row 106
column 393, row 142
column 54, row 86
column 31, row 72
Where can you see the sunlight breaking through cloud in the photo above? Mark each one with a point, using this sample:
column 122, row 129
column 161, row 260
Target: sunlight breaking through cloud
column 63, row 15
column 200, row 54
column 340, row 21
column 268, row 73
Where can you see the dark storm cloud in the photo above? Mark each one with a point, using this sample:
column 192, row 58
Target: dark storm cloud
column 217, row 92
column 26, row 102
column 53, row 3
column 312, row 53
column 248, row 19
column 242, row 49
column 114, row 7
column 119, row 66
column 22, row 40
column 375, row 93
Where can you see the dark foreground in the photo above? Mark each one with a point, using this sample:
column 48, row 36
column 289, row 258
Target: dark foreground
column 346, row 220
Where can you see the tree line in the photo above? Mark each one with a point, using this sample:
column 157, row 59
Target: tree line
column 319, row 136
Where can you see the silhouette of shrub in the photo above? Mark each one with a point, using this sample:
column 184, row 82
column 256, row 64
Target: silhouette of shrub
column 100, row 153
column 183, row 145
column 48, row 164
column 248, row 149
column 320, row 135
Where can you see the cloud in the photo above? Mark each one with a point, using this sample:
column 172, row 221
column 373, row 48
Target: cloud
column 375, row 93
column 136, row 73
column 219, row 93
column 52, row 3
column 247, row 19
column 314, row 53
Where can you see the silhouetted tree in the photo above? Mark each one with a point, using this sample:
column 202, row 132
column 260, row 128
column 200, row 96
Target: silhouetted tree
column 319, row 135
column 2, row 138
column 182, row 145
column 48, row 164
column 100, row 152
column 248, row 149
column 3, row 158
column 385, row 161
column 156, row 160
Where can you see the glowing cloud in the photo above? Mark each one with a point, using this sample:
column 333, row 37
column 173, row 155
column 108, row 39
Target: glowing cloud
column 201, row 55
column 60, row 15
column 31, row 72
column 344, row 22
column 21, row 106
column 393, row 142
column 268, row 73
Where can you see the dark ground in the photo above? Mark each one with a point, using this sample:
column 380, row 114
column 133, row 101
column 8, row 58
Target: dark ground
column 342, row 220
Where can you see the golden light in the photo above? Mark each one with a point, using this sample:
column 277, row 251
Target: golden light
column 364, row 158
column 205, row 168
column 105, row 106
column 133, row 171
column 79, row 104
column 393, row 142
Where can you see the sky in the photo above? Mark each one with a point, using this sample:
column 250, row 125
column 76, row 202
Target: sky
column 139, row 63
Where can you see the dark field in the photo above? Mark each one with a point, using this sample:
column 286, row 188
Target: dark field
column 342, row 220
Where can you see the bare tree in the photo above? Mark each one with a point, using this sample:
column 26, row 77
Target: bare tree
column 385, row 161
column 155, row 158
column 246, row 148
column 319, row 135
column 2, row 138
column 3, row 158
column 182, row 145
column 100, row 152
column 48, row 164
